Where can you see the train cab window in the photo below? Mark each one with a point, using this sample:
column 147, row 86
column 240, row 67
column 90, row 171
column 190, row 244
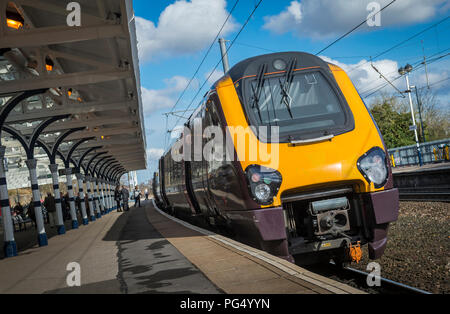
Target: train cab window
column 218, row 150
column 215, row 120
column 306, row 105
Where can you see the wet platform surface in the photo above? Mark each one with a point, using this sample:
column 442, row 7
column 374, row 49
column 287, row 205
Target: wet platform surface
column 146, row 251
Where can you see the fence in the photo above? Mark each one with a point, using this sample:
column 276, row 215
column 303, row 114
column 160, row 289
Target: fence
column 432, row 152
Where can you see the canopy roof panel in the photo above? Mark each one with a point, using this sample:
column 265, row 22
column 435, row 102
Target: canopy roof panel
column 90, row 72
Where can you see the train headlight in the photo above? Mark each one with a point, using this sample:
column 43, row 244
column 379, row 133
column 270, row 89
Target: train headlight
column 263, row 183
column 373, row 167
column 262, row 192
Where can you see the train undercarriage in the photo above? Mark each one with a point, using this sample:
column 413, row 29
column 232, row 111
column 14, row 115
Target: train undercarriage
column 320, row 225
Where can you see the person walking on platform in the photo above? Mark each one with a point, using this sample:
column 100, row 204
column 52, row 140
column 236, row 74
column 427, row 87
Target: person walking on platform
column 78, row 204
column 146, row 194
column 65, row 206
column 50, row 205
column 118, row 198
column 125, row 197
column 137, row 196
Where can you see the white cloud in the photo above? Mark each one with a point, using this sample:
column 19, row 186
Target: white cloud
column 217, row 74
column 324, row 18
column 287, row 19
column 184, row 27
column 155, row 99
column 434, row 78
column 154, row 153
column 367, row 80
column 364, row 76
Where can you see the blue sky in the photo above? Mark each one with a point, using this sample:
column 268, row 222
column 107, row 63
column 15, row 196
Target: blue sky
column 175, row 35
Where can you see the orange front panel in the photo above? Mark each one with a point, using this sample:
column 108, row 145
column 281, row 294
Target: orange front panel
column 323, row 163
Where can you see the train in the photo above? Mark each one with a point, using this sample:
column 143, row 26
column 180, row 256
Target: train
column 300, row 170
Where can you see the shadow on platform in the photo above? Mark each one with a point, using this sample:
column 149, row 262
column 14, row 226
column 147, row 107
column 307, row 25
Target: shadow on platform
column 104, row 287
column 140, row 223
column 28, row 238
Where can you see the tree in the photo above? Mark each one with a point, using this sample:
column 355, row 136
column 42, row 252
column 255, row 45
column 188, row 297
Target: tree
column 436, row 118
column 393, row 122
column 393, row 117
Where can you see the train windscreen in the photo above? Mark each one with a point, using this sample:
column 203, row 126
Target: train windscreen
column 304, row 103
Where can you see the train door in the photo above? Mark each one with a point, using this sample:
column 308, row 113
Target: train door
column 197, row 181
column 188, row 171
column 163, row 177
column 212, row 181
column 223, row 180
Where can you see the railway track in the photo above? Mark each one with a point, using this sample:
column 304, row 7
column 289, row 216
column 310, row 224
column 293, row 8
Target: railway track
column 424, row 185
column 358, row 279
column 425, row 196
column 353, row 277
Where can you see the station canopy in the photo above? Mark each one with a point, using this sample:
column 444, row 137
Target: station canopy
column 89, row 73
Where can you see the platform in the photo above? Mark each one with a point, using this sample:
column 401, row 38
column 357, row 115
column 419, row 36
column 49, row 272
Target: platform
column 427, row 167
column 146, row 251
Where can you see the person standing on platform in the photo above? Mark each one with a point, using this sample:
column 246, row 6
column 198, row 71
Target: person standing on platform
column 50, row 205
column 86, row 204
column 137, row 196
column 146, row 194
column 118, row 198
column 31, row 214
column 125, row 196
column 19, row 209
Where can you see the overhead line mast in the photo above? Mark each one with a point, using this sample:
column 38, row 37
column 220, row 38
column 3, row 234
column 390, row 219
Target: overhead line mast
column 228, row 49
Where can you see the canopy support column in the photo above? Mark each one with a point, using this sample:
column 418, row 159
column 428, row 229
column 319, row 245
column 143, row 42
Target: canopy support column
column 42, row 236
column 9, row 246
column 59, row 216
column 73, row 213
column 82, row 203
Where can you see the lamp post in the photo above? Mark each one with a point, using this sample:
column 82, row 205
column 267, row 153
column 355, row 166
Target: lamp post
column 419, row 105
column 405, row 71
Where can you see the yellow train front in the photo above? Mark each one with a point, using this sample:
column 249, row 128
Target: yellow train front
column 304, row 173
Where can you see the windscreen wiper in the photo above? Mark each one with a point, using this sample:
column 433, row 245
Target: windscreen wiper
column 259, row 86
column 285, row 97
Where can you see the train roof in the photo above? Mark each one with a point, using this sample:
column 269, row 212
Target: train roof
column 252, row 65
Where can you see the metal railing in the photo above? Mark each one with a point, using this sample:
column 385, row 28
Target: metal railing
column 432, row 152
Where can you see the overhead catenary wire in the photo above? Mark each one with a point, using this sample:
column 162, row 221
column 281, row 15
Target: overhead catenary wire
column 199, row 66
column 253, row 46
column 380, row 87
column 400, row 43
column 354, row 28
column 420, row 65
column 435, row 83
column 387, row 80
column 414, row 64
column 206, row 55
column 218, row 63
column 432, row 84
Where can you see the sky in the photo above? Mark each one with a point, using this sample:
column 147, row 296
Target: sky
column 174, row 37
